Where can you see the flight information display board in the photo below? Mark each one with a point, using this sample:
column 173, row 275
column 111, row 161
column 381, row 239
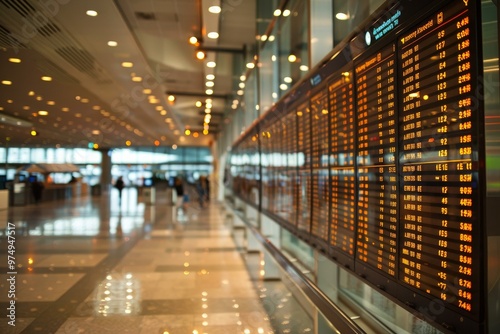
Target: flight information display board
column 319, row 158
column 304, row 149
column 439, row 208
column 342, row 176
column 404, row 171
column 377, row 231
column 291, row 185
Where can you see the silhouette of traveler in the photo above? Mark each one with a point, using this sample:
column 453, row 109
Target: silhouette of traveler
column 37, row 188
column 119, row 184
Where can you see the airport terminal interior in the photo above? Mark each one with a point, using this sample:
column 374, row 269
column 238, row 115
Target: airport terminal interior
column 249, row 166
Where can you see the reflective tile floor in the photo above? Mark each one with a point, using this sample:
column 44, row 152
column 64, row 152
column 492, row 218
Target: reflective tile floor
column 98, row 265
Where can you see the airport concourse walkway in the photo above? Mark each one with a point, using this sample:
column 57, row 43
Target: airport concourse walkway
column 95, row 265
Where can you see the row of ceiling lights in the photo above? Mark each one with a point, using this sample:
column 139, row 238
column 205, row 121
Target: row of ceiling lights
column 151, row 98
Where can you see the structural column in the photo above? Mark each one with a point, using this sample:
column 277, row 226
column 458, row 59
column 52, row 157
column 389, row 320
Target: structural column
column 105, row 169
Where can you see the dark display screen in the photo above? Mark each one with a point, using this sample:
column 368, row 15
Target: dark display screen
column 389, row 155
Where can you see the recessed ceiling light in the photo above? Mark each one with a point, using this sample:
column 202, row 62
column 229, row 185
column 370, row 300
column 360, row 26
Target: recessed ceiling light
column 287, row 79
column 51, row 103
column 209, row 84
column 7, row 82
column 200, row 55
column 26, row 107
column 163, row 112
column 136, row 79
column 213, row 35
column 65, row 109
column 127, row 64
column 159, row 108
column 43, row 112
column 112, row 43
column 214, row 9
column 211, row 64
column 84, row 100
column 96, row 132
column 241, row 85
column 31, row 93
column 250, row 65
column 171, row 98
column 210, row 77
column 15, row 60
column 193, row 40
column 304, row 68
column 277, row 12
column 198, row 104
column 342, row 16
column 286, row 12
column 91, row 12
column 209, row 92
column 46, row 78
column 292, row 58
column 146, row 91
column 96, row 108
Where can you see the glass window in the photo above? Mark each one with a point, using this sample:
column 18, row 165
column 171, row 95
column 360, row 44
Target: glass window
column 293, row 41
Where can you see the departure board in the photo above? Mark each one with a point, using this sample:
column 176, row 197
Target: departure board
column 388, row 133
column 265, row 153
column 439, row 208
column 342, row 177
column 319, row 159
column 377, row 230
column 291, row 184
column 304, row 160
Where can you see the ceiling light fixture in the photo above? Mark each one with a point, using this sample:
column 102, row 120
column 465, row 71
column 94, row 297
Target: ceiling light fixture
column 214, row 9
column 209, row 84
column 127, row 64
column 7, row 82
column 200, row 55
column 213, row 35
column 46, row 78
column 171, row 98
column 210, row 77
column 277, row 12
column 342, row 16
column 15, row 60
column 198, row 104
column 209, row 92
column 286, row 12
column 193, row 40
column 43, row 112
column 211, row 64
column 112, row 43
column 91, row 12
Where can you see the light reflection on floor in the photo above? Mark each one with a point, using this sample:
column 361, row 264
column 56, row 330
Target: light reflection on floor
column 100, row 265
